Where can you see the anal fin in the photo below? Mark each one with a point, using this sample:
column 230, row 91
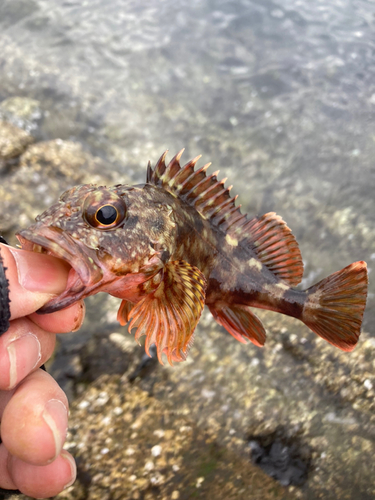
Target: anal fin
column 240, row 322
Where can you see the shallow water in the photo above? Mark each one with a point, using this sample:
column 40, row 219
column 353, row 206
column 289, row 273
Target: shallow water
column 279, row 95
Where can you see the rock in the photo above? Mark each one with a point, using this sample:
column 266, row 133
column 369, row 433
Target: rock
column 61, row 159
column 137, row 446
column 13, row 141
column 22, row 112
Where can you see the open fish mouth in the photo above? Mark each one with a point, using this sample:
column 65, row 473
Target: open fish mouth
column 85, row 273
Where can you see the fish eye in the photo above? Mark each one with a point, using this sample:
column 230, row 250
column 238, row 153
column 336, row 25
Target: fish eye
column 106, row 215
column 104, row 210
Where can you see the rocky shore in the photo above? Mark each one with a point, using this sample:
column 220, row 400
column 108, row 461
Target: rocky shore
column 294, row 420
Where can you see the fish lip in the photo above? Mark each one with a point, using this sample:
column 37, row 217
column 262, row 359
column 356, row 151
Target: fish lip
column 59, row 244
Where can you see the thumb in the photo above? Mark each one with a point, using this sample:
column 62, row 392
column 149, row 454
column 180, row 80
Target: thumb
column 34, row 279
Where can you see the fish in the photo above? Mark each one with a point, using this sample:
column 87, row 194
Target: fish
column 179, row 242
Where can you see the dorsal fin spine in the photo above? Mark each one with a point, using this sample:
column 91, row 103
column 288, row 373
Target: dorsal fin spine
column 210, row 201
column 160, row 166
column 199, row 184
column 218, row 208
column 203, row 196
column 229, row 211
column 149, row 172
column 191, row 164
column 238, row 218
column 239, row 224
column 226, row 221
column 179, row 154
column 191, row 177
column 206, row 180
column 174, row 168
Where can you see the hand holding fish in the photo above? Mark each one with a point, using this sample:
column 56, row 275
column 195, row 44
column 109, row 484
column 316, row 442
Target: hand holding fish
column 33, row 408
column 178, row 242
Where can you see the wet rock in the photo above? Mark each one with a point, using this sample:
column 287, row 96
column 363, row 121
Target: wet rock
column 60, row 159
column 13, row 141
column 281, row 460
column 22, row 112
column 131, row 446
column 146, row 365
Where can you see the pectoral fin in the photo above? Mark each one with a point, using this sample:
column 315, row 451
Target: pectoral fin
column 168, row 316
column 240, row 322
column 124, row 312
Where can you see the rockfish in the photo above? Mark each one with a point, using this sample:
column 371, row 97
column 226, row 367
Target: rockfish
column 177, row 243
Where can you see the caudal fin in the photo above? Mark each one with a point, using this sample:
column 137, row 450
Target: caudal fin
column 334, row 307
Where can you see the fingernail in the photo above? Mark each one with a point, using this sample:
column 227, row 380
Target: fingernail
column 80, row 317
column 73, row 467
column 39, row 272
column 55, row 414
column 24, row 355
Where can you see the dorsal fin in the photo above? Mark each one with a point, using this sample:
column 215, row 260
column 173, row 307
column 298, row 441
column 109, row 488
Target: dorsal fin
column 268, row 236
column 274, row 245
column 208, row 195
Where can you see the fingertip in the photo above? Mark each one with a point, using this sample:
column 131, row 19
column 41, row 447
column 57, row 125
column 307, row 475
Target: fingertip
column 35, row 421
column 23, row 348
column 73, row 467
column 55, row 415
column 43, row 481
column 65, row 320
column 40, row 272
column 33, row 279
column 6, row 481
column 78, row 319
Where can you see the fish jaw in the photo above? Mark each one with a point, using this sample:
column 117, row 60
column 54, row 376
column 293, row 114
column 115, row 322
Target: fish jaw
column 86, row 273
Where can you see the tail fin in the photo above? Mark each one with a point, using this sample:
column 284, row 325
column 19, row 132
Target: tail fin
column 334, row 306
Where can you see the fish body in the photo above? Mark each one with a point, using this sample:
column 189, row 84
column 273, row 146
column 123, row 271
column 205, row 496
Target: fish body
column 178, row 242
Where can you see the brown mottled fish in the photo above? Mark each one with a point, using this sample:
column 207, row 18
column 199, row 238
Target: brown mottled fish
column 178, row 242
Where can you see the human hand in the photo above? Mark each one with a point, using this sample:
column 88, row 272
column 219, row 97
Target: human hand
column 33, row 408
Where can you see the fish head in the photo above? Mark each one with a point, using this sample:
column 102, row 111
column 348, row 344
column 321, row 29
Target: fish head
column 107, row 235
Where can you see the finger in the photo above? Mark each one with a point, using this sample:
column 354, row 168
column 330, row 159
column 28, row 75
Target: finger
column 66, row 320
column 6, row 481
column 5, row 397
column 46, row 481
column 34, row 279
column 35, row 421
column 23, row 348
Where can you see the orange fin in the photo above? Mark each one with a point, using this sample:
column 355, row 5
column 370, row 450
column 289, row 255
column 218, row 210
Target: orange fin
column 275, row 246
column 335, row 306
column 168, row 316
column 268, row 236
column 240, row 322
column 124, row 312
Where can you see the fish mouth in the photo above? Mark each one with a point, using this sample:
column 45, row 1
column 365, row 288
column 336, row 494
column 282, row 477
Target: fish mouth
column 85, row 273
